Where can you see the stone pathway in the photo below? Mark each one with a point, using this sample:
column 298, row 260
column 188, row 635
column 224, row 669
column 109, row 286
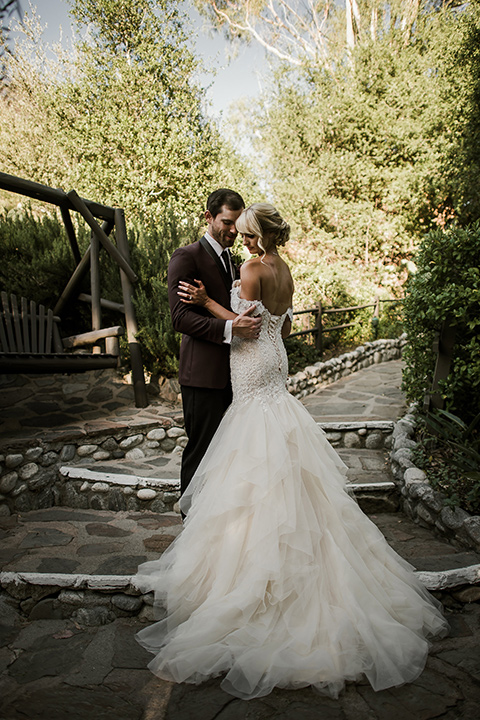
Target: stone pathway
column 58, row 668
column 373, row 393
column 96, row 542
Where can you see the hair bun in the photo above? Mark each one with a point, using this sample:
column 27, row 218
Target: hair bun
column 283, row 234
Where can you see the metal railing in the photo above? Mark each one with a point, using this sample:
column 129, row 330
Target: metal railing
column 320, row 329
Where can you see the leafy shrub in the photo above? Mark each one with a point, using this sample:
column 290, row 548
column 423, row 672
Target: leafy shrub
column 449, row 453
column 300, row 353
column 37, row 263
column 36, row 257
column 151, row 250
column 390, row 320
column 446, row 285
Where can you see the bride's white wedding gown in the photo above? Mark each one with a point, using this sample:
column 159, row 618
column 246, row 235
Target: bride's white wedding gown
column 278, row 579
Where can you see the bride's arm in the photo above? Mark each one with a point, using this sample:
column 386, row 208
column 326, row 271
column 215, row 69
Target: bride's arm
column 286, row 328
column 197, row 295
column 242, row 325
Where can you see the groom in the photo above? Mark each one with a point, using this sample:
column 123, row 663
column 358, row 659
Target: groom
column 204, row 372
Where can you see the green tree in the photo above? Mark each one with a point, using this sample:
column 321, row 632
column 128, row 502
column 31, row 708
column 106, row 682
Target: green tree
column 366, row 158
column 120, row 116
column 446, row 286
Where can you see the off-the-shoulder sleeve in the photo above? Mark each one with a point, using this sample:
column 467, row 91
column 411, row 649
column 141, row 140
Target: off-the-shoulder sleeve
column 239, row 304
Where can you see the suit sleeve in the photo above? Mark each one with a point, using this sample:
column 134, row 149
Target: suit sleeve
column 190, row 319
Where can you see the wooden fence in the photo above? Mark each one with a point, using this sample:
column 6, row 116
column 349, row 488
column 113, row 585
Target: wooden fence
column 320, row 329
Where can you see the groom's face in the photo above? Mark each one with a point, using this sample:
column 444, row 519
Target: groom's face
column 222, row 226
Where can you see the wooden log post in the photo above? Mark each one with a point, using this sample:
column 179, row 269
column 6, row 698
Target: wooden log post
column 78, row 275
column 376, row 316
column 95, row 288
column 319, row 330
column 107, row 304
column 76, row 278
column 70, row 230
column 80, row 205
column 90, row 338
column 138, row 376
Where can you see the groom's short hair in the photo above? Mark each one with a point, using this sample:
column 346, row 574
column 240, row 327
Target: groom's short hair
column 218, row 198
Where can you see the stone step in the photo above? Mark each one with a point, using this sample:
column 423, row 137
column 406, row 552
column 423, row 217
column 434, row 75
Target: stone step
column 109, row 490
column 57, row 560
column 119, row 486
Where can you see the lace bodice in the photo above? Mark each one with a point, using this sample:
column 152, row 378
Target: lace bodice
column 259, row 368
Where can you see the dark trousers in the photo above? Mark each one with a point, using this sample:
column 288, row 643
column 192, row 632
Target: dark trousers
column 203, row 409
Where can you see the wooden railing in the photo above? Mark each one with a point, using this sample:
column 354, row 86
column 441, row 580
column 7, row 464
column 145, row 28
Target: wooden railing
column 320, row 329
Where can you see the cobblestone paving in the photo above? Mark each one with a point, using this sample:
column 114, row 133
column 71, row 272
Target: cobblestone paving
column 100, row 542
column 373, row 393
column 61, row 670
column 58, row 670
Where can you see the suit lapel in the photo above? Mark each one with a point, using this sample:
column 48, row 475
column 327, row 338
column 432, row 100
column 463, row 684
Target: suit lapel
column 226, row 278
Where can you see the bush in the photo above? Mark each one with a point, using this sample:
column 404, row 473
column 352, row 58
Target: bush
column 151, row 250
column 37, row 263
column 300, row 354
column 449, row 452
column 446, row 285
column 36, row 257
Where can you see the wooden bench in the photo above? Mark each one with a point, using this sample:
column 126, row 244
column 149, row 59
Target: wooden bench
column 30, row 342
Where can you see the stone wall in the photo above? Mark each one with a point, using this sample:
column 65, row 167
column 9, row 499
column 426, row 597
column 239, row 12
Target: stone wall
column 29, row 468
column 61, row 471
column 320, row 374
column 419, row 500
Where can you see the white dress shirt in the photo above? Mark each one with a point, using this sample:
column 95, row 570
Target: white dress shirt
column 227, row 332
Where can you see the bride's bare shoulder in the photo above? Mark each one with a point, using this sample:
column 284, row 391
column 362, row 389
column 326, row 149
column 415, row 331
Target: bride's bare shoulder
column 250, row 267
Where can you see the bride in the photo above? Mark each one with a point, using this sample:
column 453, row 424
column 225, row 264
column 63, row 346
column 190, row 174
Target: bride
column 278, row 579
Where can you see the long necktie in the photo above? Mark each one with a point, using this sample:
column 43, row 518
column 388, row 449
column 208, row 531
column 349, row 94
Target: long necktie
column 226, row 259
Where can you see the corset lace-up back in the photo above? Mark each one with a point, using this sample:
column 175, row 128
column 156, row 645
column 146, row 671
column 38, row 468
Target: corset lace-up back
column 259, row 367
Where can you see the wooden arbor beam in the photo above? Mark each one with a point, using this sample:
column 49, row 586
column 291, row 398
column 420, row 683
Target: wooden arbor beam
column 70, row 230
column 82, row 208
column 78, row 274
column 138, row 375
column 51, row 195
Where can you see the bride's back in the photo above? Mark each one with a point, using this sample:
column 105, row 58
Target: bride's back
column 272, row 282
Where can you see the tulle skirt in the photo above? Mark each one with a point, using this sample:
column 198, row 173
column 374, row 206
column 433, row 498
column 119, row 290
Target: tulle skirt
column 278, row 579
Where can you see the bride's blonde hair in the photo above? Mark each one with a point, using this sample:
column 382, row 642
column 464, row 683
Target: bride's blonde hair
column 262, row 219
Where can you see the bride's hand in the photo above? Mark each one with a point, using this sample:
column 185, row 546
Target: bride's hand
column 193, row 294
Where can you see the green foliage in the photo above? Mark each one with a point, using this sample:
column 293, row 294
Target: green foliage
column 365, row 154
column 300, row 353
column 449, row 453
column 120, row 116
column 446, row 284
column 463, row 439
column 391, row 323
column 151, row 248
column 36, row 257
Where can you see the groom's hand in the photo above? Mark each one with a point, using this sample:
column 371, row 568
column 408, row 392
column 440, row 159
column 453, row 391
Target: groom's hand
column 247, row 327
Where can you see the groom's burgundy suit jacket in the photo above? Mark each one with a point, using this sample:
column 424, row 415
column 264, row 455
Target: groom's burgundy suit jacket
column 204, row 357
